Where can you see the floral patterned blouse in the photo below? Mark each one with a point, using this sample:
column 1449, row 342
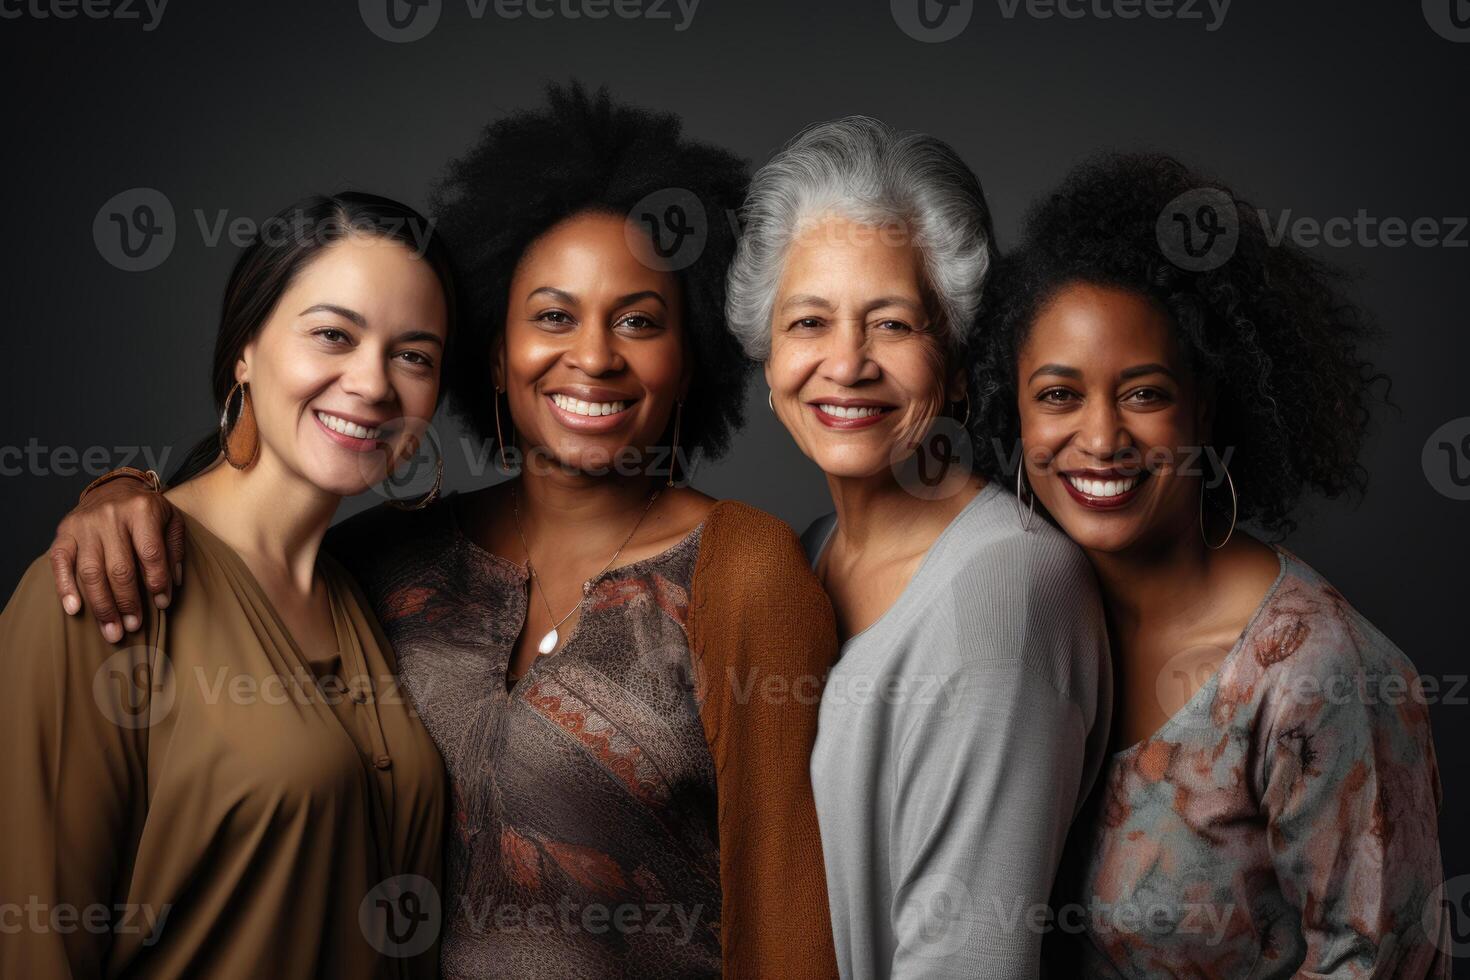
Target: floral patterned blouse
column 1282, row 823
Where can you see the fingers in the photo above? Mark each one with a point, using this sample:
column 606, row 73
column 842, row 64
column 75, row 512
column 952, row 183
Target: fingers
column 63, row 560
column 91, row 577
column 122, row 576
column 175, row 536
column 148, row 541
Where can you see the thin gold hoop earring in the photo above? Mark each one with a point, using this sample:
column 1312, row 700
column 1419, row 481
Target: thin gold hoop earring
column 499, row 438
column 1234, row 509
column 1028, row 518
column 674, row 456
column 239, row 441
column 771, row 405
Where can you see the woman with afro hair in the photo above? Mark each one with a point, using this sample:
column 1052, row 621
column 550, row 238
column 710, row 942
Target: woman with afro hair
column 620, row 672
column 1170, row 374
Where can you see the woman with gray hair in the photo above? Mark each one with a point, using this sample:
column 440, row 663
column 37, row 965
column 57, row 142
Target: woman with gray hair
column 966, row 718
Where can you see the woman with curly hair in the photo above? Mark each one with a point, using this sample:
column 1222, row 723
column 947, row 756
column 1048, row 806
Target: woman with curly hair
column 594, row 648
column 1270, row 806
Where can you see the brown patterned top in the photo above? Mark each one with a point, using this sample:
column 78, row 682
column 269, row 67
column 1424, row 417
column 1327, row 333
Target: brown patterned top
column 587, row 800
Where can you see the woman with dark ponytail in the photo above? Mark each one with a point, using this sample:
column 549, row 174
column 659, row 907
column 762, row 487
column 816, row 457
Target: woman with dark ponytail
column 238, row 791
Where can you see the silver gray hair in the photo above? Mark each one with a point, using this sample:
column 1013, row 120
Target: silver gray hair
column 864, row 170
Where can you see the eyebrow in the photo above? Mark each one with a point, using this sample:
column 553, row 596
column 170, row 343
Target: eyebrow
column 807, row 299
column 566, row 297
column 1143, row 369
column 341, row 311
column 1058, row 369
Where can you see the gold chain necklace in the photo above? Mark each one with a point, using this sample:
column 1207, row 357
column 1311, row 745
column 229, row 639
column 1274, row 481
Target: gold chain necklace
column 552, row 638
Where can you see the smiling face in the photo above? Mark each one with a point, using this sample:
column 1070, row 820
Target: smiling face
column 593, row 355
column 1109, row 416
column 856, row 370
column 346, row 367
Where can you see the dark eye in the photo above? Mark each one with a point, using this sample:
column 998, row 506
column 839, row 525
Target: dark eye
column 1147, row 396
column 331, row 335
column 806, row 323
column 637, row 321
column 1055, row 396
column 416, row 358
column 892, row 326
column 554, row 316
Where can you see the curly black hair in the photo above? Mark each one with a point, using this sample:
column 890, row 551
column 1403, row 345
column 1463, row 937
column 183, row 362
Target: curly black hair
column 585, row 152
column 1270, row 328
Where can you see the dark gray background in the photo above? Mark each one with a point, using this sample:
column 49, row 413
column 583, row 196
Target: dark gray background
column 1318, row 107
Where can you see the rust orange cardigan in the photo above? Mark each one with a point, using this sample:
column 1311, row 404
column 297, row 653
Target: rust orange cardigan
column 762, row 637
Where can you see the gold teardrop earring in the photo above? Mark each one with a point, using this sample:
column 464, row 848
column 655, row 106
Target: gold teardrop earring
column 239, row 440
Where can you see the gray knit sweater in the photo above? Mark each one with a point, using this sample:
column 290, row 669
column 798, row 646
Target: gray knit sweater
column 958, row 736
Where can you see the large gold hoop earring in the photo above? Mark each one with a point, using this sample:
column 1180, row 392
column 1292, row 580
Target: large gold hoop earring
column 674, row 454
column 239, row 440
column 427, row 498
column 1027, row 518
column 1234, row 508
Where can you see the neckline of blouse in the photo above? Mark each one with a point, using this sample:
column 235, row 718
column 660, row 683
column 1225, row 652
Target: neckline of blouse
column 519, row 570
column 897, row 608
column 350, row 648
column 1192, row 706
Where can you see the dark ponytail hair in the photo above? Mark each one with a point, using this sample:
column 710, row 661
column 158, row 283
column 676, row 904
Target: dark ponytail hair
column 280, row 249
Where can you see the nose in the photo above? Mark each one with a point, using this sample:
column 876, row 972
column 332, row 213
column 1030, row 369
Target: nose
column 592, row 351
column 1100, row 432
column 846, row 359
column 366, row 375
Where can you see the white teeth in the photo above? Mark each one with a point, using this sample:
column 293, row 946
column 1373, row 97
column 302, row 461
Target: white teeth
column 347, row 428
column 578, row 407
column 1102, row 488
column 848, row 412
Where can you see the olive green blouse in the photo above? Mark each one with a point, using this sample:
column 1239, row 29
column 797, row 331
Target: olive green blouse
column 207, row 799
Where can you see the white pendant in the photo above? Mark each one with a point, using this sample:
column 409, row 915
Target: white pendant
column 548, row 642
